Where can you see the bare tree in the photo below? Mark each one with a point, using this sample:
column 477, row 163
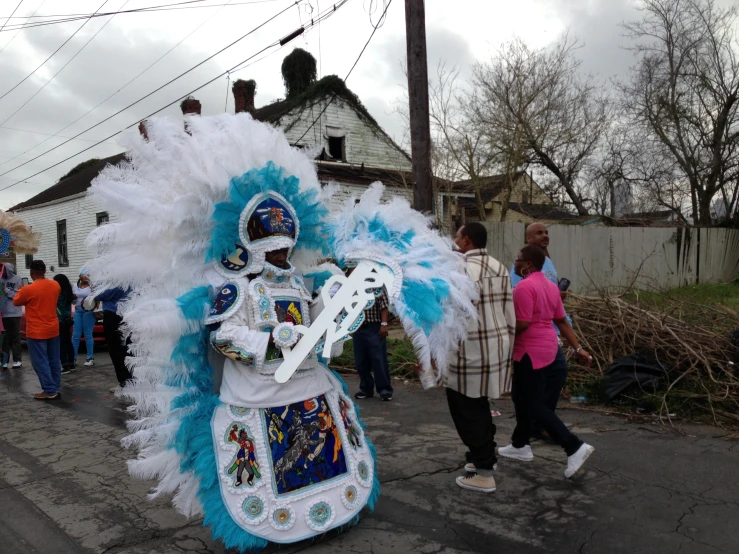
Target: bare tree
column 541, row 96
column 457, row 140
column 684, row 90
column 633, row 168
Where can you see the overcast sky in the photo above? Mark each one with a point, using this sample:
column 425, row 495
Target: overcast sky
column 461, row 32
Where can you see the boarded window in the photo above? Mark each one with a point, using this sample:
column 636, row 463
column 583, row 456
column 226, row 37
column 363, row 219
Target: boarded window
column 101, row 218
column 29, row 260
column 61, row 242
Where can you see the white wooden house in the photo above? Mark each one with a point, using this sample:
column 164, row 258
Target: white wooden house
column 353, row 153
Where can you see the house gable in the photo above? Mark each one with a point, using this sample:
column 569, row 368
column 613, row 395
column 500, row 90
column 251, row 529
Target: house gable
column 344, row 117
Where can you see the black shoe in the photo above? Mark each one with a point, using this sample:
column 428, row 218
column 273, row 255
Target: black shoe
column 250, row 480
column 238, row 483
column 386, row 397
column 361, row 396
column 66, row 370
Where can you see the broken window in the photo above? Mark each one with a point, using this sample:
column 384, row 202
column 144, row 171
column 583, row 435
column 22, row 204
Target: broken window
column 336, row 148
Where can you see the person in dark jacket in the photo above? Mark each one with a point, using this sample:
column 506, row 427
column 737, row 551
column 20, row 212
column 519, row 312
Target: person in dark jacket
column 117, row 343
column 64, row 315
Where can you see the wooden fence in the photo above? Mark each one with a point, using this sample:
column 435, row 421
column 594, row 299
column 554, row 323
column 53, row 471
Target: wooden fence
column 594, row 256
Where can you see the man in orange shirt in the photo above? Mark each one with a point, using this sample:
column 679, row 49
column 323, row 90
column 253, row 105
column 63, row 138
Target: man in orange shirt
column 42, row 329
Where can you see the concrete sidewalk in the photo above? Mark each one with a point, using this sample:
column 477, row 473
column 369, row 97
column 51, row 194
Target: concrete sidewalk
column 64, row 487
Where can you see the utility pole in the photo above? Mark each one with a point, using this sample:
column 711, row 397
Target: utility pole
column 418, row 98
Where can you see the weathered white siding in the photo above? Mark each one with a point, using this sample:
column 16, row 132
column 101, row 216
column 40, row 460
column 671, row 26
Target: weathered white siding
column 364, row 144
column 597, row 257
column 346, row 191
column 80, row 215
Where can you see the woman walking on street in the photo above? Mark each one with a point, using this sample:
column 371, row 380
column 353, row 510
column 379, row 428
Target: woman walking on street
column 537, row 303
column 64, row 314
column 84, row 320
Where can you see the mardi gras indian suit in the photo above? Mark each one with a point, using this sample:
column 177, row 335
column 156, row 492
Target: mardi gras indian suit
column 237, row 412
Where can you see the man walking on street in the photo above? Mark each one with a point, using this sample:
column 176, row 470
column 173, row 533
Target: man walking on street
column 370, row 351
column 481, row 368
column 117, row 344
column 11, row 315
column 555, row 375
column 42, row 329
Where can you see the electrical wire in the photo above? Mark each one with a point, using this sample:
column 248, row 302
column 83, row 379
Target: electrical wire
column 151, row 9
column 62, row 68
column 119, row 90
column 272, row 45
column 366, row 44
column 27, row 20
column 52, row 55
column 8, row 20
column 11, row 15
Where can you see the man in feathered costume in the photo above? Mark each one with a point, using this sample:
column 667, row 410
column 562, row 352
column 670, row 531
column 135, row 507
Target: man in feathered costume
column 231, row 341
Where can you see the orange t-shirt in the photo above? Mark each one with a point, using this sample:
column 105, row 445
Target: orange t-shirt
column 40, row 298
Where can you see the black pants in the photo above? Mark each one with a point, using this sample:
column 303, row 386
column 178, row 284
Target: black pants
column 66, row 350
column 12, row 338
column 475, row 427
column 529, row 387
column 370, row 357
column 117, row 346
column 555, row 377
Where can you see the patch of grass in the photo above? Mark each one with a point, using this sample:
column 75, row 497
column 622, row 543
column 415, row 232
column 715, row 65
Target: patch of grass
column 692, row 301
column 400, row 356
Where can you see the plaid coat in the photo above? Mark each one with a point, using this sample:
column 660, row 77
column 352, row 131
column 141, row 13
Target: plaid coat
column 482, row 366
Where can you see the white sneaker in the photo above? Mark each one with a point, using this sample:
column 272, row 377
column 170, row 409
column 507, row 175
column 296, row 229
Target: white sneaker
column 476, row 482
column 576, row 461
column 5, row 366
column 524, row 453
column 16, row 364
column 90, row 362
column 470, row 467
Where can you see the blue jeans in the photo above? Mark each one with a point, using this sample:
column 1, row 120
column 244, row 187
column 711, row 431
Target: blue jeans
column 370, row 357
column 46, row 363
column 84, row 321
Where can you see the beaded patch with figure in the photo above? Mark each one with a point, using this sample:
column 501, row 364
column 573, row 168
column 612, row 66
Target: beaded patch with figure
column 245, row 459
column 304, row 445
column 226, row 302
column 350, row 427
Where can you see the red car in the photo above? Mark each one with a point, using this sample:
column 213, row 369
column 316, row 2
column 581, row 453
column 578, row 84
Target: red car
column 98, row 335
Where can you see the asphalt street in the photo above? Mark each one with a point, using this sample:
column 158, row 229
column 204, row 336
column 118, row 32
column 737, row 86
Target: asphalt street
column 64, row 487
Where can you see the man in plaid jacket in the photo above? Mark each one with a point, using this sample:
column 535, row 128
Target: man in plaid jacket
column 482, row 366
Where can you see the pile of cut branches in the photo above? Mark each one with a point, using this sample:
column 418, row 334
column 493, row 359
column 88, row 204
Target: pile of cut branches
column 691, row 341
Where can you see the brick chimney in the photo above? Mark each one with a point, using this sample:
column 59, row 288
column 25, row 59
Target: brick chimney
column 190, row 106
column 244, row 93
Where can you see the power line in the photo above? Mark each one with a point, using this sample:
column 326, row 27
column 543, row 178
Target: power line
column 52, row 55
column 330, row 12
column 119, row 90
column 380, row 22
column 161, row 8
column 62, row 68
column 27, row 20
column 11, row 15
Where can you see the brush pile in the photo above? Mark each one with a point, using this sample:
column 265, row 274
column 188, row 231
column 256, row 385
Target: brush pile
column 692, row 342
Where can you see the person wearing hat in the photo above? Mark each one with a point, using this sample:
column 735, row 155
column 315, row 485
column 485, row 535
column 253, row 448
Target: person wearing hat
column 42, row 329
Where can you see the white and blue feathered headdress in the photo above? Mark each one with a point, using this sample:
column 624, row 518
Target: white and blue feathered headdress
column 432, row 294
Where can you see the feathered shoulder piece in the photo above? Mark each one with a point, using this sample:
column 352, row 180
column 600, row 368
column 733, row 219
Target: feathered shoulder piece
column 432, row 295
column 16, row 234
